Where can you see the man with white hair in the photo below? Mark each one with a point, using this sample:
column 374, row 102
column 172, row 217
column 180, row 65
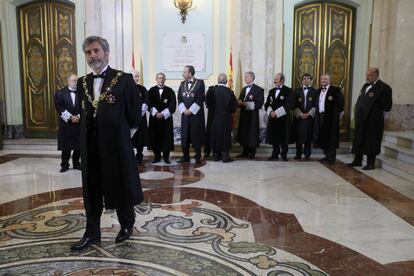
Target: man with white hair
column 330, row 108
column 222, row 103
column 67, row 104
column 251, row 100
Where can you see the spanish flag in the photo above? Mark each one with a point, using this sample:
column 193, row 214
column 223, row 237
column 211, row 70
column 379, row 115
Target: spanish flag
column 230, row 71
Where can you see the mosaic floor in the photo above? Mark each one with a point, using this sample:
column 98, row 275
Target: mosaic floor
column 242, row 218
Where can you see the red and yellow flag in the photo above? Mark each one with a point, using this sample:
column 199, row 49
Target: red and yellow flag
column 230, row 71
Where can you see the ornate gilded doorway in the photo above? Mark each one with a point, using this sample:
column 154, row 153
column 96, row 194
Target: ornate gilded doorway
column 323, row 43
column 48, row 56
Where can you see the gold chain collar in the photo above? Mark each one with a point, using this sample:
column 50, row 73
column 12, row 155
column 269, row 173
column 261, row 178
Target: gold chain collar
column 95, row 103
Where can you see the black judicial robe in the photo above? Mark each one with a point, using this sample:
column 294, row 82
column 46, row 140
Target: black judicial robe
column 369, row 118
column 108, row 159
column 249, row 129
column 161, row 132
column 327, row 130
column 69, row 133
column 193, row 126
column 303, row 128
column 210, row 112
column 140, row 137
column 278, row 129
column 222, row 103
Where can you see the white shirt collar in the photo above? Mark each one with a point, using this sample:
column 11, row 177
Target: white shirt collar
column 220, row 84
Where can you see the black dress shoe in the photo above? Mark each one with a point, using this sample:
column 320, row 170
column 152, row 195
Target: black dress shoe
column 324, row 159
column 64, row 169
column 272, row 158
column 331, row 162
column 284, row 158
column 156, row 160
column 77, row 167
column 198, row 161
column 368, row 167
column 242, row 155
column 167, row 161
column 85, row 242
column 354, row 164
column 183, row 160
column 227, row 160
column 251, row 156
column 123, row 235
column 297, row 157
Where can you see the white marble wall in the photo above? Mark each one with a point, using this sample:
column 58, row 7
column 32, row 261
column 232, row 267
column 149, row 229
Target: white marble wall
column 112, row 19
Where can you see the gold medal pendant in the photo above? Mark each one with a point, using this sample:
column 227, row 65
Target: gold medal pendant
column 95, row 103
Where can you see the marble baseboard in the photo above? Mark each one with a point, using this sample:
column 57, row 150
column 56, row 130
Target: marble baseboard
column 400, row 118
column 12, row 131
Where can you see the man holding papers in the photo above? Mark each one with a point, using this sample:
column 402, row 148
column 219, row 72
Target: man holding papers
column 278, row 105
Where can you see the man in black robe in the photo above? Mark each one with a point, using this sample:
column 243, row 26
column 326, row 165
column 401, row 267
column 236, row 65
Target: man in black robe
column 304, row 114
column 278, row 105
column 222, row 103
column 140, row 137
column 375, row 99
column 251, row 100
column 111, row 106
column 329, row 111
column 68, row 106
column 191, row 97
column 162, row 104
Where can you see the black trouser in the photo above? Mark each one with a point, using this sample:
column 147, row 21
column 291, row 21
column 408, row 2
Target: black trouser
column 249, row 151
column 305, row 148
column 186, row 152
column 330, row 153
column 66, row 157
column 126, row 218
column 370, row 159
column 139, row 156
column 280, row 149
column 165, row 154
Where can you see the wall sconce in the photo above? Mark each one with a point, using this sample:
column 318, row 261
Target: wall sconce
column 183, row 6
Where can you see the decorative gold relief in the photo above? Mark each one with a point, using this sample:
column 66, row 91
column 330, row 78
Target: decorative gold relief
column 306, row 61
column 35, row 65
column 49, row 56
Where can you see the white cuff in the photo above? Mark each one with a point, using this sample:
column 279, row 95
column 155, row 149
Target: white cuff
column 312, row 112
column 65, row 116
column 166, row 113
column 269, row 110
column 144, row 107
column 194, row 108
column 154, row 111
column 182, row 108
column 280, row 112
column 298, row 113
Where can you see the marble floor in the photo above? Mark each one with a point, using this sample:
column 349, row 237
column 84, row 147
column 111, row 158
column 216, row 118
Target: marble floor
column 249, row 217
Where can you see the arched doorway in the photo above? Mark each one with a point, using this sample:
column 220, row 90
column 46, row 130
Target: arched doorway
column 323, row 43
column 48, row 56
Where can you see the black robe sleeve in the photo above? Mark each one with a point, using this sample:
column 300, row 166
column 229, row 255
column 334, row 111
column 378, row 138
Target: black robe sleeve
column 133, row 103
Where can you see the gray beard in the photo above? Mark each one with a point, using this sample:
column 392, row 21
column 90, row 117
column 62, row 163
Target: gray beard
column 97, row 66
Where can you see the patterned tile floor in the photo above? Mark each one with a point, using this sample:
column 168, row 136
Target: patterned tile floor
column 241, row 218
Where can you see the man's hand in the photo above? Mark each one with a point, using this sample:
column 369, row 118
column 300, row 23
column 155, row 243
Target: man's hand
column 188, row 113
column 305, row 115
column 273, row 114
column 159, row 116
column 74, row 119
column 241, row 103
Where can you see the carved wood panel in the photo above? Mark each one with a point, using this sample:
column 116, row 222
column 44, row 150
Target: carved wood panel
column 323, row 44
column 48, row 56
